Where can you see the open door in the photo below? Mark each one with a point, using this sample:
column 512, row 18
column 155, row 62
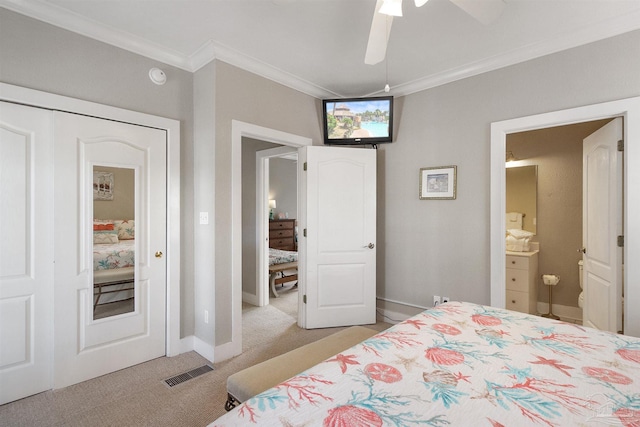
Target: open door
column 602, row 224
column 337, row 254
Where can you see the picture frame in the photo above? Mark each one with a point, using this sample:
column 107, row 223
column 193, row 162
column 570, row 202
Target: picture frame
column 438, row 183
column 102, row 185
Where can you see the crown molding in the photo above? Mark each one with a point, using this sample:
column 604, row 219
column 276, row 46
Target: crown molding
column 585, row 35
column 211, row 50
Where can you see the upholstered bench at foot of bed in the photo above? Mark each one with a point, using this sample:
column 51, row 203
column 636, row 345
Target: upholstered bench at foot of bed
column 251, row 381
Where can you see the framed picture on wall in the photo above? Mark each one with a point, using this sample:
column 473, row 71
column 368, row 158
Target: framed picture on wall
column 102, row 185
column 438, row 183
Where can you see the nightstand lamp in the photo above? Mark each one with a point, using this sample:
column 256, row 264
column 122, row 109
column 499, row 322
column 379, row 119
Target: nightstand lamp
column 272, row 206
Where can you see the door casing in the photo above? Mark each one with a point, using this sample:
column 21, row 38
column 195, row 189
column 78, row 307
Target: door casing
column 239, row 130
column 629, row 109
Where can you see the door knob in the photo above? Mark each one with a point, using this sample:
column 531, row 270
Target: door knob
column 158, row 254
column 583, row 250
column 370, row 246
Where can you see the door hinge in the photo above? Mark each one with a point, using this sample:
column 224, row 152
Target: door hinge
column 304, row 299
column 304, row 232
column 620, row 241
column 304, row 166
column 621, row 145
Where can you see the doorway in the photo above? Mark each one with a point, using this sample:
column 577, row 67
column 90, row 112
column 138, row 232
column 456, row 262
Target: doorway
column 629, row 109
column 276, row 205
column 239, row 131
column 552, row 207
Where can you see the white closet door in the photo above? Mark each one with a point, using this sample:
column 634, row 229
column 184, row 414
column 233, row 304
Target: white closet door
column 26, row 251
column 87, row 347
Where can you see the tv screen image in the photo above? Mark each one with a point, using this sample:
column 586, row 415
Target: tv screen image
column 358, row 120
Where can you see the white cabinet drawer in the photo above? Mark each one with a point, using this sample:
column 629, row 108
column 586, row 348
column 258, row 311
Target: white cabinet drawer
column 519, row 262
column 517, row 280
column 517, row 301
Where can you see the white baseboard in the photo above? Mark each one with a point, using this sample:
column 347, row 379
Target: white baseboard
column 250, row 299
column 391, row 311
column 193, row 343
column 562, row 311
column 395, row 311
column 226, row 351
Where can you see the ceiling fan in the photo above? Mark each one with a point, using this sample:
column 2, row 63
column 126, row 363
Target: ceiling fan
column 485, row 11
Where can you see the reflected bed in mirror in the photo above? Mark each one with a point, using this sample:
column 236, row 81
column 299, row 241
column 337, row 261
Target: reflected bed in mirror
column 521, row 188
column 113, row 241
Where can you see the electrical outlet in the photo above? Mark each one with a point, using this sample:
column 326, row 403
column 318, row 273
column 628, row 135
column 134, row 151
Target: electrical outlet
column 436, row 300
column 204, row 218
column 445, row 299
column 206, row 316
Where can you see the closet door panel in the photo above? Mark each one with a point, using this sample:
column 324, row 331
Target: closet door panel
column 26, row 251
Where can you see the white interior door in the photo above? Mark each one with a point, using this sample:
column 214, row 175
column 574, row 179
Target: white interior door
column 87, row 347
column 26, row 251
column 602, row 224
column 338, row 254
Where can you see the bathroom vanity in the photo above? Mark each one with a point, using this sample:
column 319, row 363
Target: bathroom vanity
column 522, row 281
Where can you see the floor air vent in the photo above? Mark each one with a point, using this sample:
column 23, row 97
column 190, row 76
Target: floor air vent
column 178, row 379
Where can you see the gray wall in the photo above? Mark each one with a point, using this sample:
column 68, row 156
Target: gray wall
column 426, row 247
column 40, row 56
column 246, row 97
column 442, row 247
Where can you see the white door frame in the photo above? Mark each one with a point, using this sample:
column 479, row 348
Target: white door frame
column 50, row 101
column 238, row 131
column 262, row 196
column 629, row 109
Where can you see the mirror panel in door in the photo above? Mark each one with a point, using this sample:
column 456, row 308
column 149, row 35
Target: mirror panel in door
column 113, row 241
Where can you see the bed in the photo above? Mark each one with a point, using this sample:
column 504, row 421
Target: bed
column 113, row 260
column 463, row 364
column 280, row 262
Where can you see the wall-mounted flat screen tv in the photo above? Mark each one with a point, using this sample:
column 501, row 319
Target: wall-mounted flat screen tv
column 357, row 121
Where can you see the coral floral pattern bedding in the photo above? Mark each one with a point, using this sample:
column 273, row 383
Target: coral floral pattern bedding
column 116, row 255
column 278, row 256
column 465, row 365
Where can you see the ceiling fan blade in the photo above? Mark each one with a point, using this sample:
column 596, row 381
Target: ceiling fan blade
column 485, row 11
column 378, row 36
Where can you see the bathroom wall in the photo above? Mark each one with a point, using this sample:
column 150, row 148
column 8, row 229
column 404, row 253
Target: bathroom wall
column 558, row 154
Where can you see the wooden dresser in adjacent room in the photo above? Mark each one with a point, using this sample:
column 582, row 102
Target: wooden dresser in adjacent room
column 282, row 234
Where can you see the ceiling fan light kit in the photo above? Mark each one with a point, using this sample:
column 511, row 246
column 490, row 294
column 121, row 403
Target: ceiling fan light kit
column 485, row 11
column 391, row 8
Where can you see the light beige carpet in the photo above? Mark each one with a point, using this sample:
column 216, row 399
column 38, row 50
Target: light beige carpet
column 138, row 396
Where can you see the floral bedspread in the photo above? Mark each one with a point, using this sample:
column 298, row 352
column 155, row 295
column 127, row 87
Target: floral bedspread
column 115, row 255
column 278, row 256
column 466, row 365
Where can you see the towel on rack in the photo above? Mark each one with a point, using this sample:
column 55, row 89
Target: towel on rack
column 514, row 220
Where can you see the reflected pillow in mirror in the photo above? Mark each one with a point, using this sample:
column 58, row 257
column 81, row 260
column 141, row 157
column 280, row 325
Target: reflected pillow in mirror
column 126, row 229
column 105, row 237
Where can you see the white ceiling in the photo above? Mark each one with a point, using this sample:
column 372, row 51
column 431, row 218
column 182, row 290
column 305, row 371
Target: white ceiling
column 318, row 46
